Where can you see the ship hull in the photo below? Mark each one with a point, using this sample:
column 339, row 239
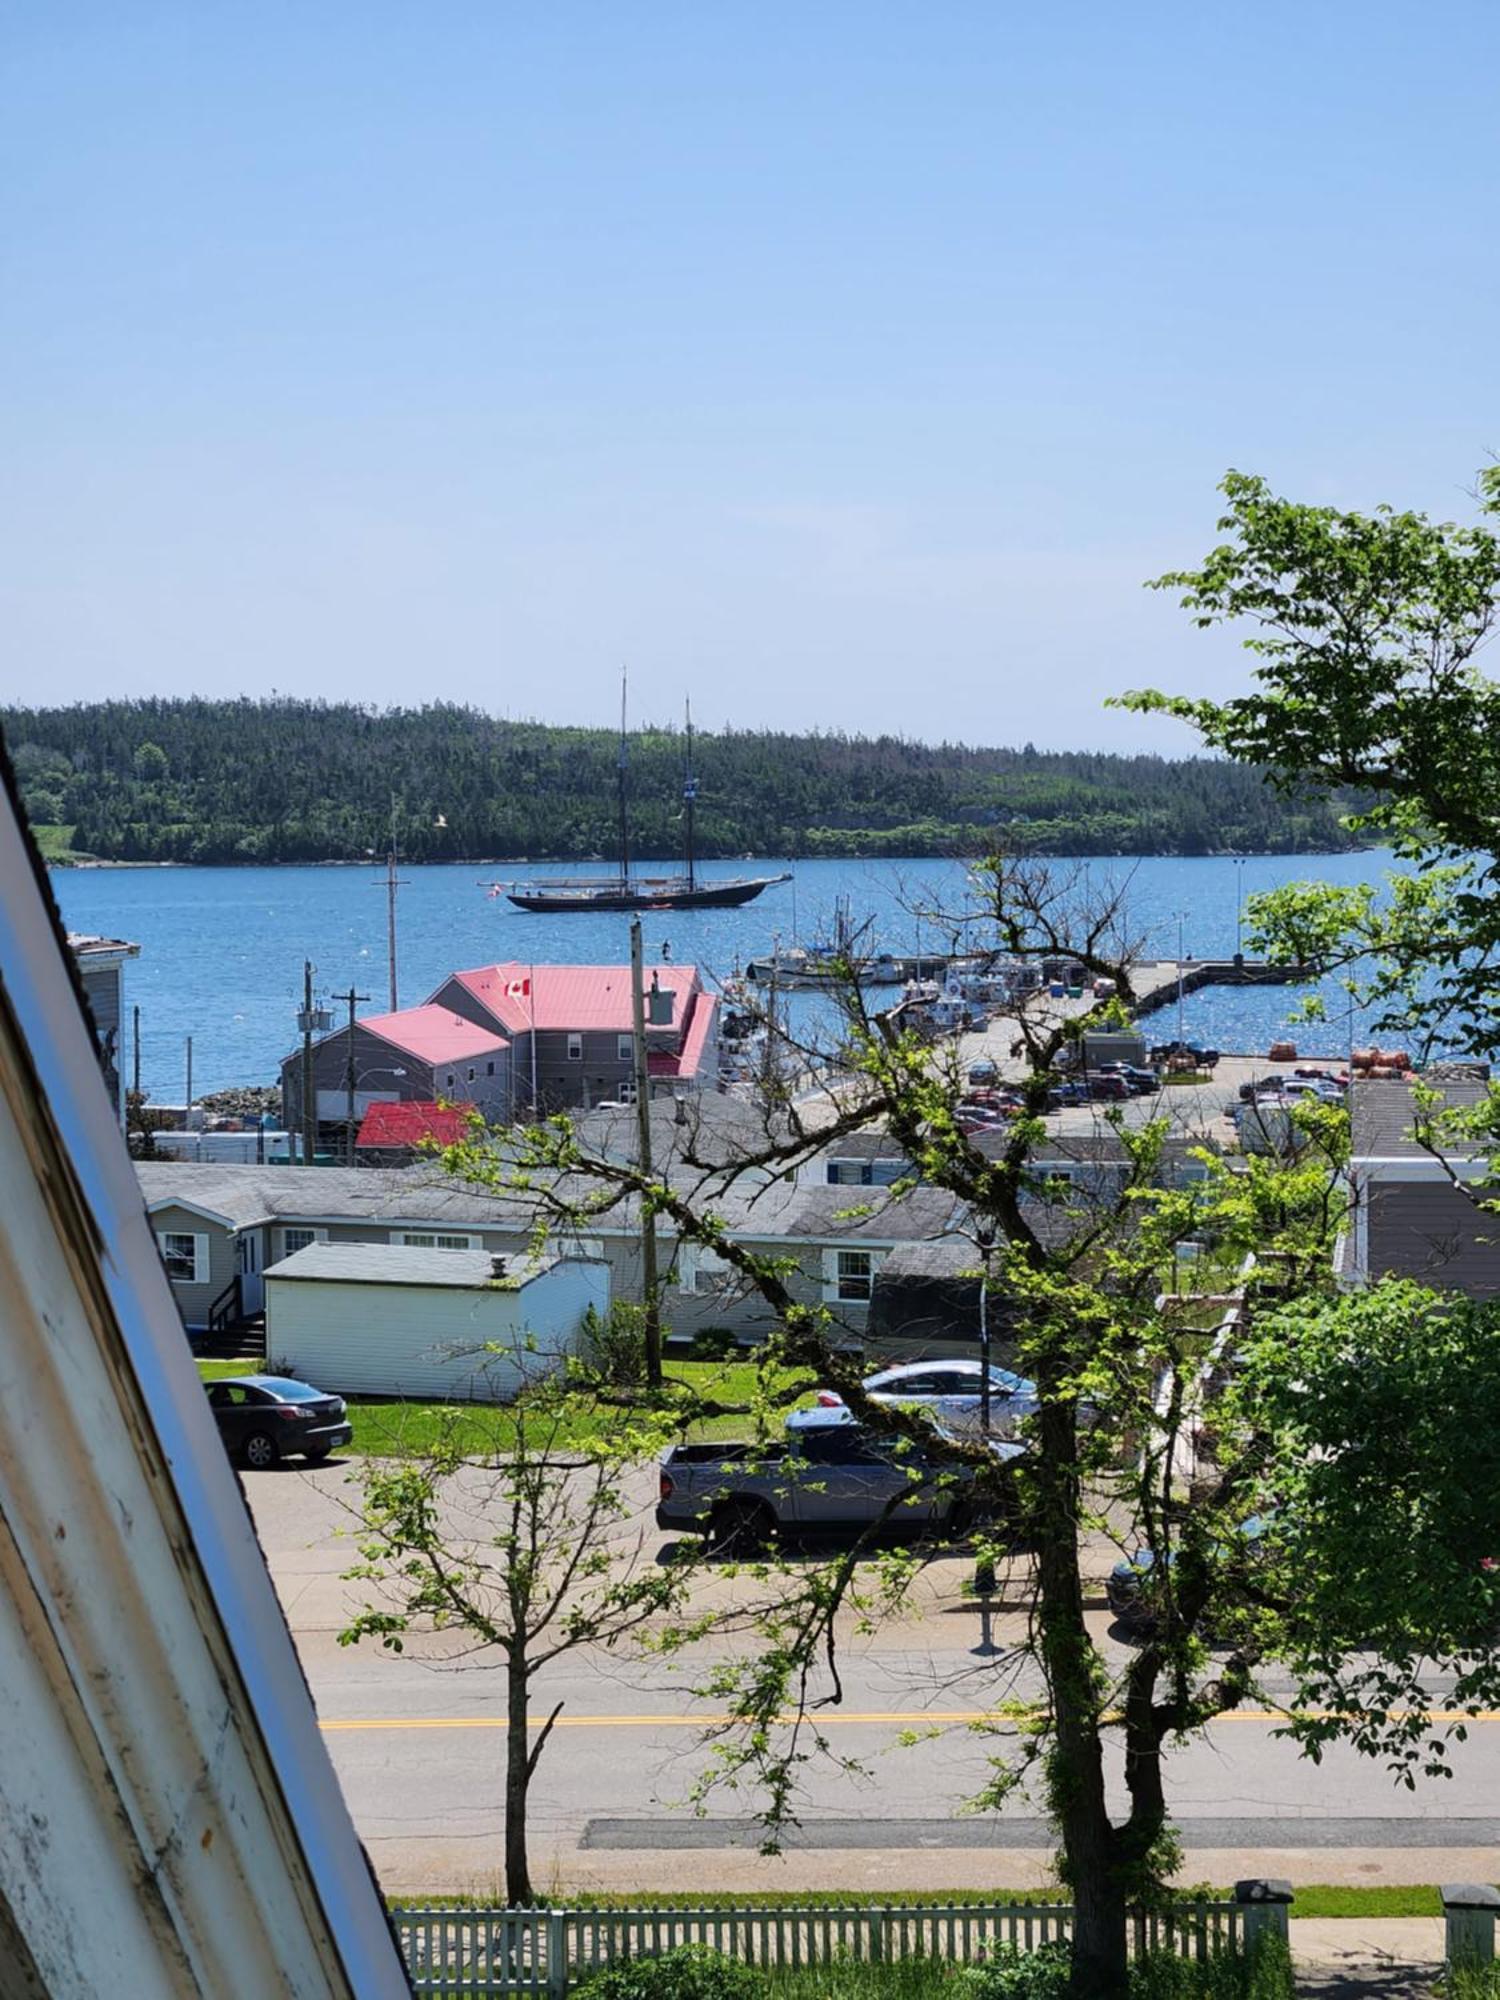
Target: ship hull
column 541, row 899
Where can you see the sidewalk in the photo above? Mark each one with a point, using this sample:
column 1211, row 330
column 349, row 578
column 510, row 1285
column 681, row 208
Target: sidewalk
column 1367, row 1958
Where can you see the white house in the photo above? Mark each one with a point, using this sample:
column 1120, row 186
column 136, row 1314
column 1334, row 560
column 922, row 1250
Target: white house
column 385, row 1319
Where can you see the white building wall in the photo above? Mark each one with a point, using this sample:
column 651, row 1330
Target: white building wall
column 428, row 1342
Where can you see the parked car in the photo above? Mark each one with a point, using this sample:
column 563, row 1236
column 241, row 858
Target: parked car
column 1106, row 1089
column 983, row 1072
column 263, row 1418
column 1070, row 1091
column 827, row 1474
column 1142, row 1082
column 951, row 1390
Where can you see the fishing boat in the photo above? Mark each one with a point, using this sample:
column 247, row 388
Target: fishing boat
column 628, row 890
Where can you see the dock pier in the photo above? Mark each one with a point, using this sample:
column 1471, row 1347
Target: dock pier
column 1161, row 989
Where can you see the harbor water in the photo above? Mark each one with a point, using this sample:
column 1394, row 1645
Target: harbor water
column 222, row 949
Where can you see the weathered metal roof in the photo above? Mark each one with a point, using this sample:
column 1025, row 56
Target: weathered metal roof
column 435, row 1034
column 405, row 1264
column 580, row 997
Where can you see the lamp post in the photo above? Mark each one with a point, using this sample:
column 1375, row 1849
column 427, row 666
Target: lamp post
column 1239, row 909
column 984, row 1569
column 1181, row 920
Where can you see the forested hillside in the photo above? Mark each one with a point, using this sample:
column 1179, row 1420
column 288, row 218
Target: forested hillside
column 228, row 781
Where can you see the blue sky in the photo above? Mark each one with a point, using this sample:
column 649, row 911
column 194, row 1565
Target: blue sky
column 847, row 366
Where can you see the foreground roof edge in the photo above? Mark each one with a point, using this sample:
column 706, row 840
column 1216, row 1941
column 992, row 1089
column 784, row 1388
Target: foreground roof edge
column 156, row 1714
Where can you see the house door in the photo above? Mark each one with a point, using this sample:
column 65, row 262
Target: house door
column 247, row 1263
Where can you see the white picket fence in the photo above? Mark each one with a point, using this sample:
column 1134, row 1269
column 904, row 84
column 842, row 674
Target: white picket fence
column 498, row 1953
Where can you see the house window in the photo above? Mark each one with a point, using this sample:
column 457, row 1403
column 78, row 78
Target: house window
column 625, row 1047
column 185, row 1255
column 489, row 1069
column 703, row 1271
column 450, row 1080
column 866, row 1173
column 472, row 1072
column 295, row 1239
column 424, row 1239
column 567, row 1244
column 848, row 1276
column 575, row 1048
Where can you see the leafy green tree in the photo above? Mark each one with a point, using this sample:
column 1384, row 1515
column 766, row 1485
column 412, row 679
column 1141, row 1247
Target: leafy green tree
column 1368, row 631
column 1120, row 1359
column 516, row 1531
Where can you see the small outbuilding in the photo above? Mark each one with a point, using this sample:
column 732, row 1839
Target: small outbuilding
column 380, row 1319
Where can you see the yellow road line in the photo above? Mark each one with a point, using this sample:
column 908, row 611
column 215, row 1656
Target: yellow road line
column 833, row 1718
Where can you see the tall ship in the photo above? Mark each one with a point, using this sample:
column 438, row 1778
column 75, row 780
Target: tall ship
column 629, row 890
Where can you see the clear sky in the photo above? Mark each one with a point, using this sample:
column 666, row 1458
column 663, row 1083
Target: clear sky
column 845, row 365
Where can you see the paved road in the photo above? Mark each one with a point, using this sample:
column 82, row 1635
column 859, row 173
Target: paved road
column 418, row 1743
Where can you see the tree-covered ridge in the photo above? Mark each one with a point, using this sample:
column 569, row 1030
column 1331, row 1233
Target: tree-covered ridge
column 258, row 781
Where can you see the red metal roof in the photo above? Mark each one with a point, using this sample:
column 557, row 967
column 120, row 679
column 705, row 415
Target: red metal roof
column 578, row 997
column 410, row 1124
column 436, row 1034
column 660, row 1062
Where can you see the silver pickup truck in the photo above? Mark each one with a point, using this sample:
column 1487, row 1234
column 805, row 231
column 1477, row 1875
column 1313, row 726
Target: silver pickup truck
column 828, row 1475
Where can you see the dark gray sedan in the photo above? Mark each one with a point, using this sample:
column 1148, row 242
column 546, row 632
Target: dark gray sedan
column 263, row 1418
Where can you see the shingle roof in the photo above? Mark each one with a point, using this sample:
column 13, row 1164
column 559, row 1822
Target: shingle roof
column 1381, row 1117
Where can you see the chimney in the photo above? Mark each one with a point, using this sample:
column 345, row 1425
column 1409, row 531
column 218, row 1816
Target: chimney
column 497, row 1266
column 659, row 1005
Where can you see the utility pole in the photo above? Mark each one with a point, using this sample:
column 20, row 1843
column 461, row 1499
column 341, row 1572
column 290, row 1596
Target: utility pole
column 189, row 1075
column 1181, row 920
column 309, row 1103
column 649, row 1288
column 391, row 886
column 311, row 1020
column 351, row 997
column 135, row 1061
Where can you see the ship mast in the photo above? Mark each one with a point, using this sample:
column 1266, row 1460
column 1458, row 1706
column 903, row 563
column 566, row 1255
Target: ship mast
column 624, row 808
column 689, row 800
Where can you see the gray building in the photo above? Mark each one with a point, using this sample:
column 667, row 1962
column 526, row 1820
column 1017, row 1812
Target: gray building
column 505, row 1037
column 1414, row 1207
column 101, row 967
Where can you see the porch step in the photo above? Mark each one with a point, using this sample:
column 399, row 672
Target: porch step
column 246, row 1342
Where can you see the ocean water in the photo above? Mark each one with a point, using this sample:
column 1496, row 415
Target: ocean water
column 222, row 949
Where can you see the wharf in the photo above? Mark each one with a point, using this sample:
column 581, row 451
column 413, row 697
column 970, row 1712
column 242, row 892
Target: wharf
column 1156, row 981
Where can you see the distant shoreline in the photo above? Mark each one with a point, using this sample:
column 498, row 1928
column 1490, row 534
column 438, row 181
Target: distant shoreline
column 514, row 864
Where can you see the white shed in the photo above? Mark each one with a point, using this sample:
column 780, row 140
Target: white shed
column 380, row 1319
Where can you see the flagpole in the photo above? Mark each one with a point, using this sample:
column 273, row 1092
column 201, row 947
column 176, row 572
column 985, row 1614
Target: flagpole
column 531, row 993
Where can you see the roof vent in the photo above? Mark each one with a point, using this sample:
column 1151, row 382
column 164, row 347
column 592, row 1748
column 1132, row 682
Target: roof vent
column 497, row 1266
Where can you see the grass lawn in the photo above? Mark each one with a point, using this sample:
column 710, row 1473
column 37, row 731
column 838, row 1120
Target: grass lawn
column 56, row 842
column 1392, row 1899
column 390, row 1428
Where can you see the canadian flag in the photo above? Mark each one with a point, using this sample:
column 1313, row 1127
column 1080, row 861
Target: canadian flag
column 518, row 989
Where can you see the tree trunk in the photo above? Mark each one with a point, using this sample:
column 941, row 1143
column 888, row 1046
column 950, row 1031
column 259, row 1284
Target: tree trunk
column 1100, row 1963
column 518, row 1890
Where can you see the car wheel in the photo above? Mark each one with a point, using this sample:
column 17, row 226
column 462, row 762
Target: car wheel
column 740, row 1527
column 260, row 1451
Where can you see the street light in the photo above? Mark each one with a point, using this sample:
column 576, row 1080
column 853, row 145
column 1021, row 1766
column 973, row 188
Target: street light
column 984, row 1569
column 1181, row 920
column 1239, row 909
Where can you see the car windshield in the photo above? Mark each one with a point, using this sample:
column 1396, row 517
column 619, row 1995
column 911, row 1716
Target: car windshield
column 285, row 1390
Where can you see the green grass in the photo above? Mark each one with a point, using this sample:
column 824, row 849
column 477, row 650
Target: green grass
column 56, row 843
column 387, row 1427
column 1391, row 1899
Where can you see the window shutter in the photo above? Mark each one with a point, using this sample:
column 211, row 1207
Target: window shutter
column 200, row 1258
